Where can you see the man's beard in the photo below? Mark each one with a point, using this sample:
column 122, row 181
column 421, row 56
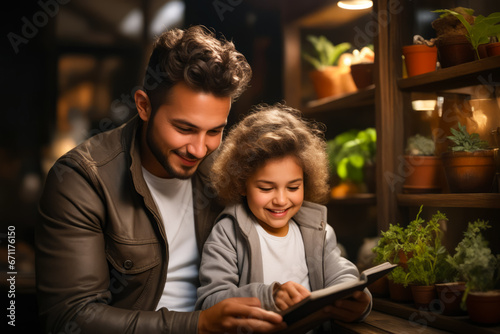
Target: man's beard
column 162, row 159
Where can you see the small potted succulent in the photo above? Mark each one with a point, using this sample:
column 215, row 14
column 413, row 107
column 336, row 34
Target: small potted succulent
column 480, row 269
column 362, row 66
column 423, row 168
column 328, row 77
column 420, row 57
column 470, row 165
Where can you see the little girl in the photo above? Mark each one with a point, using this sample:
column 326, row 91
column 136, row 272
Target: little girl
column 272, row 240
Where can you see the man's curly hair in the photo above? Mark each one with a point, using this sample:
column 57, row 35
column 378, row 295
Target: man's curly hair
column 271, row 132
column 197, row 58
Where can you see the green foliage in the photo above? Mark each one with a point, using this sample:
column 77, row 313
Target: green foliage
column 482, row 29
column 427, row 264
column 466, row 142
column 421, row 243
column 474, row 261
column 350, row 151
column 327, row 54
column 399, row 276
column 420, row 145
column 389, row 244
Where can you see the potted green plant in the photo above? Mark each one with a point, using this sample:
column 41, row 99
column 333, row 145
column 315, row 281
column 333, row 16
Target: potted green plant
column 480, row 269
column 328, row 78
column 451, row 41
column 352, row 160
column 479, row 31
column 428, row 264
column 469, row 166
column 391, row 248
column 423, row 168
column 362, row 66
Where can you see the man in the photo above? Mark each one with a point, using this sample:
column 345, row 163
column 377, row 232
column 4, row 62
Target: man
column 125, row 214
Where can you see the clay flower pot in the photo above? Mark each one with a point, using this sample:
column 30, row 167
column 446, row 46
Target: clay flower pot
column 399, row 293
column 454, row 50
column 423, row 174
column 450, row 296
column 469, row 172
column 420, row 59
column 380, row 288
column 484, row 307
column 493, row 49
column 325, row 81
column 362, row 74
column 423, row 295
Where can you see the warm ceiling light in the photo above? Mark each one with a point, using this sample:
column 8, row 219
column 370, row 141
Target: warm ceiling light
column 355, row 4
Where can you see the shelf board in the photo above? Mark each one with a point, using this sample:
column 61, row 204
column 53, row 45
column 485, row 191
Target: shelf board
column 480, row 200
column 422, row 318
column 362, row 97
column 365, row 198
column 479, row 72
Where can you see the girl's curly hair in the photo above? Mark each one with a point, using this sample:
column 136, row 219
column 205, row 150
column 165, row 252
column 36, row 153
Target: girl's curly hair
column 197, row 58
column 270, row 132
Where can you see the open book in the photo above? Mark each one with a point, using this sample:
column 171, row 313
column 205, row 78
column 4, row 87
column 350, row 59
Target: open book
column 327, row 296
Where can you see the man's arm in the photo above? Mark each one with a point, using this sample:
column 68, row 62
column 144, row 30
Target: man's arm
column 73, row 275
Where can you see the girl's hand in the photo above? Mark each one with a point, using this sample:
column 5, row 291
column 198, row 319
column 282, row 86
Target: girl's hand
column 288, row 294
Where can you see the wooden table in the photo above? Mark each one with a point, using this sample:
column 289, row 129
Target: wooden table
column 390, row 317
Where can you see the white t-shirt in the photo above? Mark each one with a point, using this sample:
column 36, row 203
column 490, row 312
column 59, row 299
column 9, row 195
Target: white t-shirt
column 283, row 258
column 174, row 199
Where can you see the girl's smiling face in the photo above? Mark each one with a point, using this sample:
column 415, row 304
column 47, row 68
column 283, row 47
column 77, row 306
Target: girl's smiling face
column 275, row 193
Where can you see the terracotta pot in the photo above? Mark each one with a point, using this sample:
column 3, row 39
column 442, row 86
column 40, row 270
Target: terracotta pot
column 423, row 295
column 423, row 174
column 362, row 74
column 420, row 59
column 325, row 81
column 450, row 296
column 399, row 293
column 493, row 49
column 332, row 80
column 482, row 49
column 454, row 50
column 380, row 288
column 484, row 307
column 469, row 172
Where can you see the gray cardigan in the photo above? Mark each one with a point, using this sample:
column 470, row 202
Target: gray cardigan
column 231, row 264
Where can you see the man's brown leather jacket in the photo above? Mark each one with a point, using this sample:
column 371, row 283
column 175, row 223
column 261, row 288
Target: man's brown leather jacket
column 101, row 249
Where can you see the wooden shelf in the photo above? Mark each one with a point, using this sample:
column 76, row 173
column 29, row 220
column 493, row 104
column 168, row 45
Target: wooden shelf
column 355, row 199
column 480, row 72
column 482, row 200
column 363, row 97
column 421, row 319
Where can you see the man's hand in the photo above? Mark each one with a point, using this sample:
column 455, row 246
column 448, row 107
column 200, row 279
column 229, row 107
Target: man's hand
column 239, row 315
column 288, row 294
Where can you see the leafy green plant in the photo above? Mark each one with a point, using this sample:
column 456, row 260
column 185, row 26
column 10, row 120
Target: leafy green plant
column 420, row 242
column 327, row 54
column 482, row 29
column 466, row 142
column 350, row 151
column 399, row 276
column 420, row 145
column 427, row 264
column 389, row 244
column 474, row 260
